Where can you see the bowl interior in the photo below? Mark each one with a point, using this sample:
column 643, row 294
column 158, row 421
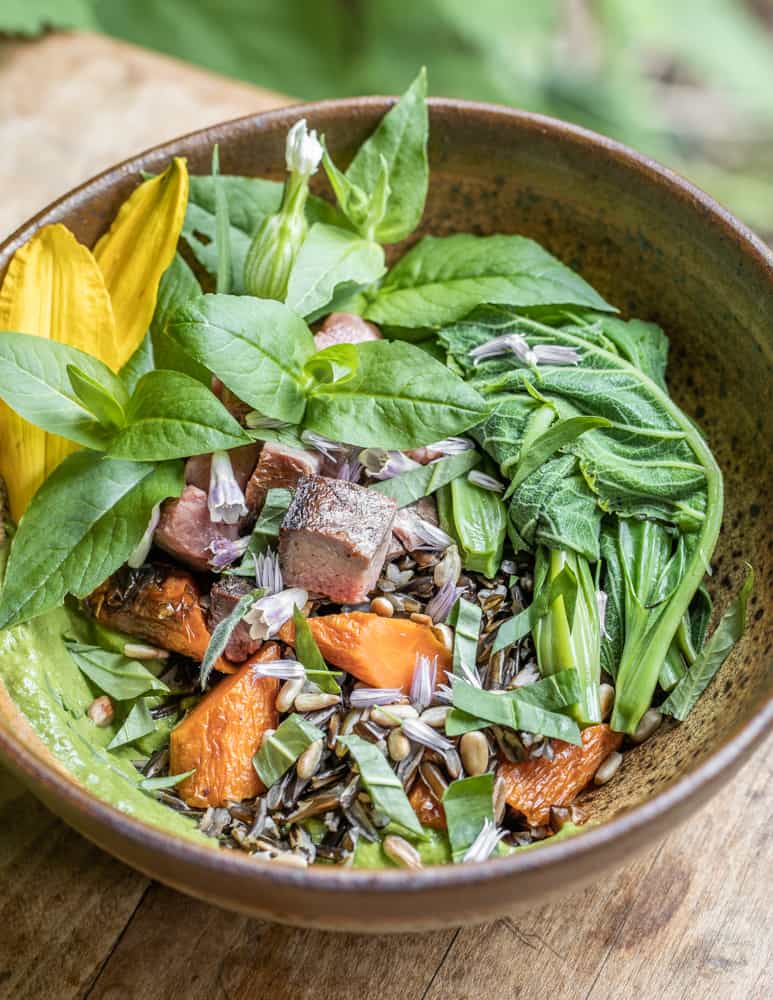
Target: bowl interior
column 652, row 247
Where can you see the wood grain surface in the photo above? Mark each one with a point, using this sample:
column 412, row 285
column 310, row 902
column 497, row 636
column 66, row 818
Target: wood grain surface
column 689, row 920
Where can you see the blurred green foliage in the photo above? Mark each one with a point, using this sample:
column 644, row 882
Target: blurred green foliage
column 687, row 81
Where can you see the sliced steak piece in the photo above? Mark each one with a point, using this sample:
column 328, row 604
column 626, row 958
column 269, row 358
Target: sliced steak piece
column 345, row 328
column 334, row 538
column 222, row 600
column 243, row 460
column 157, row 603
column 279, row 465
column 186, row 532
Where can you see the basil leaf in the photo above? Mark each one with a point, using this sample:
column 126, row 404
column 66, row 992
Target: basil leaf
column 465, row 618
column 513, row 629
column 107, row 407
column 164, row 781
column 34, row 382
column 82, row 524
column 138, row 723
column 256, row 347
column 266, row 529
column 426, row 479
column 307, row 652
column 384, row 787
column 279, row 751
column 332, row 264
column 178, row 286
column 399, row 398
column 442, row 279
column 400, row 141
column 171, row 415
column 140, row 363
column 557, row 436
column 467, row 803
column 115, row 674
column 223, row 631
column 682, row 699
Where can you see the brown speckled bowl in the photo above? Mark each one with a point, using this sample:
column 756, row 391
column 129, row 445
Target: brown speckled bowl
column 658, row 249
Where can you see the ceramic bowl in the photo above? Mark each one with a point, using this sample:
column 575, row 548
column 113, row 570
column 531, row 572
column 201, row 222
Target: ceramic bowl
column 658, row 249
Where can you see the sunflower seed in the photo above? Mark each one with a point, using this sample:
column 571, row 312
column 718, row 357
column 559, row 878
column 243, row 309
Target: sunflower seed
column 288, row 693
column 608, row 768
column 289, row 860
column 433, row 779
column 392, row 715
column 139, row 651
column 649, row 722
column 435, row 717
column 444, row 634
column 308, row 762
column 607, row 700
column 473, row 747
column 398, row 744
column 401, row 852
column 449, row 567
column 314, row 702
column 101, row 711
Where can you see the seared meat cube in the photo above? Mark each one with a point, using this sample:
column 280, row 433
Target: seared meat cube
column 222, row 600
column 186, row 532
column 334, row 538
column 157, row 603
column 410, row 526
column 345, row 328
column 279, row 466
column 243, row 460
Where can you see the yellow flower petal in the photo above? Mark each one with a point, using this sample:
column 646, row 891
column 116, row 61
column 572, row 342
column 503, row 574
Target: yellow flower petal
column 53, row 289
column 138, row 248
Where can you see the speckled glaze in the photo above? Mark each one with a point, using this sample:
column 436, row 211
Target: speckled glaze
column 658, row 249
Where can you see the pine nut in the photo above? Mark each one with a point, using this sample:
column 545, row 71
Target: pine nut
column 606, row 700
column 436, row 716
column 101, row 711
column 449, row 567
column 390, row 716
column 288, row 693
column 421, row 619
column 608, row 768
column 313, row 702
column 473, row 748
column 381, row 606
column 401, row 852
column 399, row 745
column 649, row 722
column 499, row 799
column 308, row 762
column 433, row 779
column 139, row 651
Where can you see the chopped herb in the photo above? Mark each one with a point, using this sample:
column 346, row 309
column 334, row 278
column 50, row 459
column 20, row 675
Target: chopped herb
column 113, row 673
column 164, row 781
column 467, row 804
column 420, row 482
column 281, row 749
column 139, row 722
column 385, row 788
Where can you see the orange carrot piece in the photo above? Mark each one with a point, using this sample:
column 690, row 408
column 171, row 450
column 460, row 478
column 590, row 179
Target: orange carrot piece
column 427, row 808
column 533, row 786
column 380, row 652
column 220, row 736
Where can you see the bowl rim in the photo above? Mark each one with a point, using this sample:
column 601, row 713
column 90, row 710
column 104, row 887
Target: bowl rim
column 166, row 845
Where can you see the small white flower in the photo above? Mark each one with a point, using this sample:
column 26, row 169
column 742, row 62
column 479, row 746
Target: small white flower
column 226, row 500
column 452, row 445
column 420, row 732
column 283, row 670
column 440, row 604
column 514, row 343
column 555, row 354
column 485, row 482
column 485, row 843
column 303, row 151
column 140, row 554
column 268, row 614
column 268, row 574
column 423, row 681
column 367, row 697
column 382, row 464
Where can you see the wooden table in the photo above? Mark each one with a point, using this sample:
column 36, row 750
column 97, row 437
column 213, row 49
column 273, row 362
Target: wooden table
column 689, row 919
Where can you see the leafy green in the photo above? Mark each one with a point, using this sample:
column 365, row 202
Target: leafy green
column 171, row 415
column 223, row 273
column 465, row 618
column 164, row 781
column 337, row 363
column 411, row 486
column 223, row 632
column 177, row 287
column 265, row 531
column 399, row 398
column 530, row 708
column 106, row 407
column 282, row 748
column 138, row 723
column 477, row 519
column 442, row 279
column 468, row 803
column 556, row 437
column 682, row 699
column 563, row 585
column 114, row 673
column 383, row 785
column 140, row 363
column 256, row 347
column 307, row 652
column 100, row 507
column 332, row 265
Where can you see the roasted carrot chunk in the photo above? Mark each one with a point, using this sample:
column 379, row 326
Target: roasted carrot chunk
column 533, row 786
column 427, row 808
column 220, row 736
column 381, row 652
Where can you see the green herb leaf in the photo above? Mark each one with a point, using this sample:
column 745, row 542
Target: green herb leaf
column 515, row 628
column 399, row 398
column 468, row 803
column 337, row 363
column 265, row 531
column 138, row 723
column 223, row 632
column 222, row 227
column 101, row 508
column 682, row 699
column 164, row 781
column 115, row 674
column 558, row 436
column 177, row 287
column 171, row 415
column 442, row 279
column 465, row 618
column 332, row 265
column 307, row 652
column 477, row 519
column 279, row 751
column 140, row 363
column 384, row 787
column 256, row 347
column 426, row 479
column 98, row 400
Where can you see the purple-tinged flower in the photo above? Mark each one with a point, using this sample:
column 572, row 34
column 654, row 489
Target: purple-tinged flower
column 508, row 343
column 485, row 843
column 485, row 482
column 332, row 450
column 601, row 604
column 452, row 445
column 283, row 670
column 367, row 697
column 349, row 468
column 441, row 602
column 420, row 732
column 268, row 614
column 225, row 551
column 423, row 681
column 268, row 574
column 140, row 553
column 555, row 354
column 382, row 464
column 443, row 694
column 226, row 500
